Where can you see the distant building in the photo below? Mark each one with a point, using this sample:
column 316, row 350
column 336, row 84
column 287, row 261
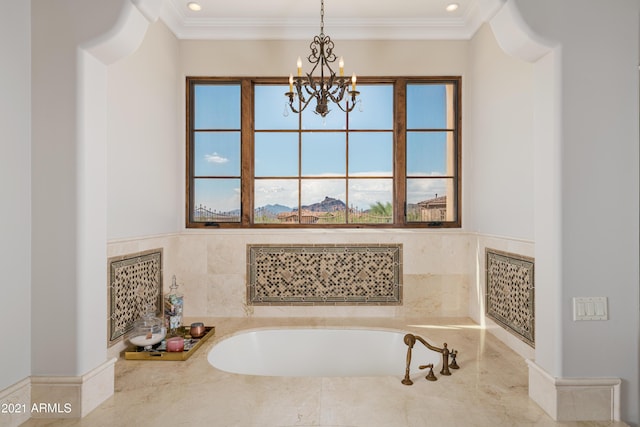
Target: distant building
column 433, row 209
column 306, row 217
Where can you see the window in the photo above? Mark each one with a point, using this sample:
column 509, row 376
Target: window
column 394, row 161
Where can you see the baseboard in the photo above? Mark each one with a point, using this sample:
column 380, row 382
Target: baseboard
column 15, row 403
column 575, row 399
column 71, row 397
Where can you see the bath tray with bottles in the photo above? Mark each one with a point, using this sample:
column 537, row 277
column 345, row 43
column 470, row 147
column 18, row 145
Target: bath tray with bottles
column 159, row 351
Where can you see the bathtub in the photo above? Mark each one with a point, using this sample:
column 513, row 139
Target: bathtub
column 320, row 352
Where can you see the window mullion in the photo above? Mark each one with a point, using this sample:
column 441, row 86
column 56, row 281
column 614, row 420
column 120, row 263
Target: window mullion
column 189, row 153
column 247, row 148
column 400, row 149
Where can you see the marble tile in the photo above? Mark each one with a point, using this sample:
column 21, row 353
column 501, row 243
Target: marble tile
column 226, row 296
column 211, row 270
column 226, row 256
column 435, row 295
column 191, row 254
column 489, row 389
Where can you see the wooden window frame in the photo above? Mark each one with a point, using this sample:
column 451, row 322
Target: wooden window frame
column 399, row 149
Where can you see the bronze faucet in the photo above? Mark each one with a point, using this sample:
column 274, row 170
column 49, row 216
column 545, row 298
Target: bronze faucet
column 410, row 340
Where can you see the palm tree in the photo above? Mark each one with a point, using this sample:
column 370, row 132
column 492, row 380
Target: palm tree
column 380, row 209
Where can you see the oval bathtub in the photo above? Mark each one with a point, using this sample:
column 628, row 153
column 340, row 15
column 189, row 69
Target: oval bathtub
column 319, row 352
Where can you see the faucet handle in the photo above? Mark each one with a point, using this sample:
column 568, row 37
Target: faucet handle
column 454, row 364
column 430, row 376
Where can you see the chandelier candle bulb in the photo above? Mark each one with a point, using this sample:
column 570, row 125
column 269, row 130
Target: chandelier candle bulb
column 341, row 65
column 299, row 64
column 353, row 82
column 290, row 82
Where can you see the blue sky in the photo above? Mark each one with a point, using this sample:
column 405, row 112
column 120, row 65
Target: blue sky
column 323, row 144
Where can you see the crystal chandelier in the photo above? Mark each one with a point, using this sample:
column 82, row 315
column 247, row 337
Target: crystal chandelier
column 327, row 87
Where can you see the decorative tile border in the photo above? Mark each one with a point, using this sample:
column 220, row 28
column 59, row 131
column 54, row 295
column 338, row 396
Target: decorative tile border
column 510, row 293
column 368, row 274
column 135, row 282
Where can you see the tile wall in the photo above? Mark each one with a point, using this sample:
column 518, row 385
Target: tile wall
column 211, row 269
column 443, row 272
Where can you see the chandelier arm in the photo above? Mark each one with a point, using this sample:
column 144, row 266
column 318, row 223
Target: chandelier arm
column 302, row 103
column 336, row 92
column 348, row 109
column 299, row 92
column 313, row 85
column 354, row 94
column 338, row 98
column 305, row 83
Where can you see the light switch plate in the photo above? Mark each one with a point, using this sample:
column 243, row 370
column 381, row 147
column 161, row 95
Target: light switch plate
column 590, row 308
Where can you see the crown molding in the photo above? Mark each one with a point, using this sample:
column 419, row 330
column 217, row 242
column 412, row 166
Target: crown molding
column 462, row 28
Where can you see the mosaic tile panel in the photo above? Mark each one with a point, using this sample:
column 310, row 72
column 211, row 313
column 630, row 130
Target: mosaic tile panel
column 510, row 293
column 324, row 274
column 135, row 282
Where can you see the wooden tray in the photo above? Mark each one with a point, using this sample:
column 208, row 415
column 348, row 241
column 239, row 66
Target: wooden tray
column 138, row 353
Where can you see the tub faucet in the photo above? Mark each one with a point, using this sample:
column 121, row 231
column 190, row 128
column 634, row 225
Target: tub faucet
column 410, row 340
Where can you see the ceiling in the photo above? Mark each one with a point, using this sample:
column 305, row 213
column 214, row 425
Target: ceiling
column 343, row 19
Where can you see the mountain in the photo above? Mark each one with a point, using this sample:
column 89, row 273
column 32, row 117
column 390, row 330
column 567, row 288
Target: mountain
column 329, row 204
column 275, row 209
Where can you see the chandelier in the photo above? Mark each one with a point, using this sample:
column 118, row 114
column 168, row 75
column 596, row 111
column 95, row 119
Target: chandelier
column 327, row 87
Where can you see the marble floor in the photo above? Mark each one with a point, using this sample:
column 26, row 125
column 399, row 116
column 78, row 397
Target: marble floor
column 489, row 389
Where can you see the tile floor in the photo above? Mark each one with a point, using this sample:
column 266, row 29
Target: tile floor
column 489, row 389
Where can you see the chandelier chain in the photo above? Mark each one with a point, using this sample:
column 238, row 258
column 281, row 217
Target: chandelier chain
column 322, row 17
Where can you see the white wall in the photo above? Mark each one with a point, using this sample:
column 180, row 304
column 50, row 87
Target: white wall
column 499, row 140
column 145, row 148
column 598, row 161
column 71, row 43
column 57, row 147
column 15, row 187
column 365, row 58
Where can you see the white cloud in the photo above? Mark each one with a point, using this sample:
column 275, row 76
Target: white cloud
column 215, row 158
column 267, row 190
column 419, row 190
column 314, row 191
column 271, row 192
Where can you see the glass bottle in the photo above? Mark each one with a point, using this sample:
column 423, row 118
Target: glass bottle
column 173, row 308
